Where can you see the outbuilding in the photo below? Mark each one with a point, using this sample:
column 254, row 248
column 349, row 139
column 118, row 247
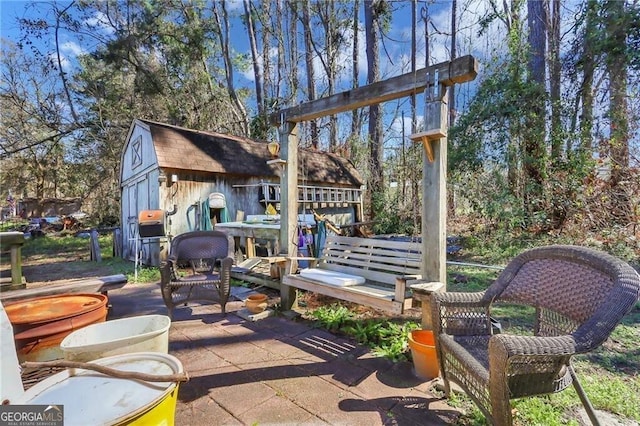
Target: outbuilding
column 184, row 180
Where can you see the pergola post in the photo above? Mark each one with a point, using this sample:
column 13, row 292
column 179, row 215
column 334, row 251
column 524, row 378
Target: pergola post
column 288, row 202
column 434, row 182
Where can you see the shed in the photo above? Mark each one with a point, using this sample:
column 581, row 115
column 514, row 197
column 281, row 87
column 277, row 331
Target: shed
column 184, row 172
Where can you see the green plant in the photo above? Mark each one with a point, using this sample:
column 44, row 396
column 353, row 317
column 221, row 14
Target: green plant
column 386, row 338
column 146, row 274
column 393, row 340
column 365, row 332
column 332, row 317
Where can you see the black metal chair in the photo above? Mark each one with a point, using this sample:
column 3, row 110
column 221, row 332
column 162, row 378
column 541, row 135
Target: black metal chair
column 580, row 295
column 198, row 269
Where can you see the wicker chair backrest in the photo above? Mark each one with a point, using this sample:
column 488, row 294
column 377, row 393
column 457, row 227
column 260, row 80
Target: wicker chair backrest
column 589, row 288
column 201, row 245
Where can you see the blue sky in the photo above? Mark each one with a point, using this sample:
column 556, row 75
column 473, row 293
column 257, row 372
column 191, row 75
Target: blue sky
column 395, row 55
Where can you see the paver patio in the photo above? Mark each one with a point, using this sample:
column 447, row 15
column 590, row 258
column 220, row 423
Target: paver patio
column 280, row 371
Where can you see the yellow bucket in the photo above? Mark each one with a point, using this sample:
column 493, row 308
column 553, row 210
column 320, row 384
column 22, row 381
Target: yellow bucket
column 90, row 398
column 423, row 352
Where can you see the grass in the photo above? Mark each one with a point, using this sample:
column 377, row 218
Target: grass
column 72, row 253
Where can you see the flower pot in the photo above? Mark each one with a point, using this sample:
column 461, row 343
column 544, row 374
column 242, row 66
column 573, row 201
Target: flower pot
column 423, row 352
column 256, row 303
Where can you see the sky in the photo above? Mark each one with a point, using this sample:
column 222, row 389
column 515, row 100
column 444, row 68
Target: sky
column 395, row 48
column 395, row 55
column 396, row 45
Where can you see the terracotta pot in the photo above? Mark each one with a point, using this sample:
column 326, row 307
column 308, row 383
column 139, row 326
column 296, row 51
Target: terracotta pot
column 256, row 303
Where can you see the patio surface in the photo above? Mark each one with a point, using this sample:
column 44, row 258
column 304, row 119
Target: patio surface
column 278, row 371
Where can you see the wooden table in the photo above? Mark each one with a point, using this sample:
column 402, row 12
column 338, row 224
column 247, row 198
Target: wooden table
column 251, row 231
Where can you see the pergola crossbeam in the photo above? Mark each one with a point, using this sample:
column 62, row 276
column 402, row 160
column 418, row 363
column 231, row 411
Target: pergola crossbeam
column 459, row 70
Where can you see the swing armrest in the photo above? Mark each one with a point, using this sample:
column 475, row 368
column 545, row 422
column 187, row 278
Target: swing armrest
column 291, row 263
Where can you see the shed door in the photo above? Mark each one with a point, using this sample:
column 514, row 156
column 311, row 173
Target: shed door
column 132, row 220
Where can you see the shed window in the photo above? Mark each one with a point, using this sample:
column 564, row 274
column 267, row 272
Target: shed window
column 136, row 154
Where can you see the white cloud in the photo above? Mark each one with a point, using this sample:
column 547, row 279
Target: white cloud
column 100, row 21
column 72, row 48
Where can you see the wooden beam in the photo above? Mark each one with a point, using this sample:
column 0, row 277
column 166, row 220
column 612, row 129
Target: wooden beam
column 459, row 70
column 81, row 285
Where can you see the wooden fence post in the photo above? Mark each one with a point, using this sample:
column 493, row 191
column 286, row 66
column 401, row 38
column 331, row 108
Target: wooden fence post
column 95, row 246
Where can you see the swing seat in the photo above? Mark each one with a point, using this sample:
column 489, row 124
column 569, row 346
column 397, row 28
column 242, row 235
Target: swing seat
column 339, row 279
column 368, row 271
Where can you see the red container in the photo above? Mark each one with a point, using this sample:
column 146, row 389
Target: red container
column 40, row 324
column 151, row 223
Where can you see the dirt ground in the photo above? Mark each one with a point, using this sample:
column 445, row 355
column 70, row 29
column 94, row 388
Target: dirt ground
column 40, row 269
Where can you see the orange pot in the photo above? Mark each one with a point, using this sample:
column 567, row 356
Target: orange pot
column 256, row 303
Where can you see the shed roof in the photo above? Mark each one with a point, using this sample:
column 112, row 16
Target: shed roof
column 186, row 149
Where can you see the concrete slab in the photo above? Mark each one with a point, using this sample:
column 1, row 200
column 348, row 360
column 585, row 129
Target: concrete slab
column 245, row 314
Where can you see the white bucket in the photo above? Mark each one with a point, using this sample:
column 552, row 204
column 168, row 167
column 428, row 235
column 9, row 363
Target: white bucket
column 145, row 333
column 90, row 398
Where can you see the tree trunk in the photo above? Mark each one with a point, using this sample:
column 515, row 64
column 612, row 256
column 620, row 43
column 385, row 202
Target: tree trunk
column 588, row 68
column 617, row 62
column 355, row 75
column 554, row 71
column 452, row 88
column 223, row 35
column 293, row 53
column 534, row 135
column 257, row 69
column 279, row 34
column 372, row 25
column 311, row 78
column 451, row 193
column 266, row 56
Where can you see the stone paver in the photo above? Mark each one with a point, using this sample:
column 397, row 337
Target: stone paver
column 277, row 371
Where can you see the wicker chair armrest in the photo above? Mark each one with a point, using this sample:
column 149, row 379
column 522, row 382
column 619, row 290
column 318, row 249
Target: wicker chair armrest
column 531, row 365
column 509, row 346
column 167, row 272
column 461, row 314
column 227, row 262
column 446, row 298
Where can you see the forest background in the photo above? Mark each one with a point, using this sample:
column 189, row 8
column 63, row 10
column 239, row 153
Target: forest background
column 544, row 145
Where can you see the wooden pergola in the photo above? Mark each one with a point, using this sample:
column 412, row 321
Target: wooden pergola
column 434, row 80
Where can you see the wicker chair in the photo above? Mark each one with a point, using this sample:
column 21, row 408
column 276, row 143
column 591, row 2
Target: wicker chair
column 209, row 256
column 580, row 295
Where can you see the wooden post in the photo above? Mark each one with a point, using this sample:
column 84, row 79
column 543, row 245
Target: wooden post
column 117, row 242
column 422, row 293
column 288, row 203
column 14, row 241
column 16, row 264
column 94, row 246
column 434, row 187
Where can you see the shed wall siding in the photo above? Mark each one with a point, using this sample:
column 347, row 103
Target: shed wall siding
column 140, row 191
